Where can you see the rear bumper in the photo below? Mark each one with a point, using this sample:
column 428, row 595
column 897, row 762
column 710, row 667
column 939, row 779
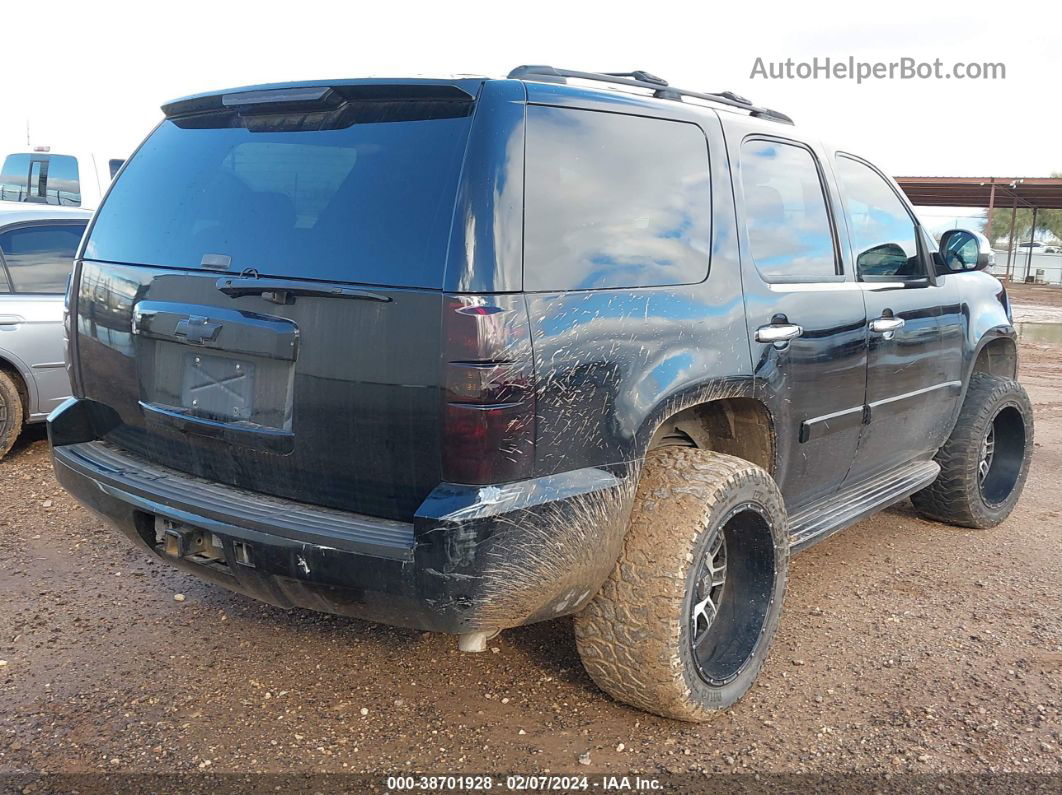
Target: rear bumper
column 474, row 558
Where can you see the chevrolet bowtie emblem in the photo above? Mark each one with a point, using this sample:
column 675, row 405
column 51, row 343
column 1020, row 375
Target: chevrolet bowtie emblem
column 197, row 329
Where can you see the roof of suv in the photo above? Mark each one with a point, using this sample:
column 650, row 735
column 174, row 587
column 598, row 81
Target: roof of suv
column 17, row 212
column 645, row 81
column 607, row 84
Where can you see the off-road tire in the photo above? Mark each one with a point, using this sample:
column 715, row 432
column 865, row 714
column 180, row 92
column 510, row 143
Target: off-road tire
column 634, row 637
column 12, row 413
column 956, row 496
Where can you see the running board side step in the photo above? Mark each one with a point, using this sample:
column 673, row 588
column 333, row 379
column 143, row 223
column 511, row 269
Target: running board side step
column 857, row 502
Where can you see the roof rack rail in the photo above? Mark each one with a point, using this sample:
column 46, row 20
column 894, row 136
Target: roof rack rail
column 643, row 79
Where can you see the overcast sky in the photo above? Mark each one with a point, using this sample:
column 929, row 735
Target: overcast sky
column 96, row 72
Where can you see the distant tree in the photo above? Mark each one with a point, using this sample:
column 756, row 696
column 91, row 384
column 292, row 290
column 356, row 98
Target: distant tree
column 1048, row 223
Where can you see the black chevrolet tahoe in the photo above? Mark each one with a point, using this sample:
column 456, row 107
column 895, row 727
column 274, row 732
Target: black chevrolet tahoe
column 461, row 355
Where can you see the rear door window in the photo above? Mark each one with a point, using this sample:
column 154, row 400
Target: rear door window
column 614, row 201
column 40, row 257
column 788, row 225
column 369, row 203
column 41, row 179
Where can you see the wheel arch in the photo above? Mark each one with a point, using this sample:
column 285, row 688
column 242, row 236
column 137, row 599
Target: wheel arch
column 724, row 416
column 996, row 354
column 23, row 379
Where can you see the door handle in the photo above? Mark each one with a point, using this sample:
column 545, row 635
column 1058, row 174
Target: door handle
column 778, row 333
column 886, row 325
column 10, row 320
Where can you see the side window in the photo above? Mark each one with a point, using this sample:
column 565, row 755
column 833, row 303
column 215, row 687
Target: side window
column 40, row 178
column 614, row 201
column 114, row 164
column 884, row 236
column 39, row 258
column 788, row 225
column 14, row 178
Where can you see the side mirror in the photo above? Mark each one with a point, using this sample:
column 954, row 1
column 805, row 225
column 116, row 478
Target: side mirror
column 965, row 250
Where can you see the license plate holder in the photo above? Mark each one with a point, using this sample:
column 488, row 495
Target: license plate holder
column 218, row 387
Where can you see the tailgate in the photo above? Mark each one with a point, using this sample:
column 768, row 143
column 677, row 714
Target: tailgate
column 328, row 400
column 259, row 296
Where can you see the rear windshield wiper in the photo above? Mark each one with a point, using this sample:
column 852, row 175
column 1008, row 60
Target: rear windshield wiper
column 284, row 291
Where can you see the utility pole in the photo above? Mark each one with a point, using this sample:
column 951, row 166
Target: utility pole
column 991, row 205
column 27, row 133
column 1010, row 240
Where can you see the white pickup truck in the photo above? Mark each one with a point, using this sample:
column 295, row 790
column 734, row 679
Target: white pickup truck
column 67, row 178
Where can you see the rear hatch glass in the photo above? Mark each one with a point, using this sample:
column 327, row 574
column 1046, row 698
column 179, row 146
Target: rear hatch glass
column 359, row 191
column 310, row 391
column 41, row 179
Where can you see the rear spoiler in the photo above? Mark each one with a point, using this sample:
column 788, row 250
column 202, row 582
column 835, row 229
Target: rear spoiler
column 321, row 98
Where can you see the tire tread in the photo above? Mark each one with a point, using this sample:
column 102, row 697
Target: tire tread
column 954, row 497
column 628, row 636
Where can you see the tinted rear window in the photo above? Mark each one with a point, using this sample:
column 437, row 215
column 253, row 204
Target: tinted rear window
column 41, row 179
column 614, row 201
column 368, row 203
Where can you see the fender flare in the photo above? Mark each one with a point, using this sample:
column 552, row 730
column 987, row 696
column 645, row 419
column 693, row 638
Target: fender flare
column 712, row 390
column 1000, row 332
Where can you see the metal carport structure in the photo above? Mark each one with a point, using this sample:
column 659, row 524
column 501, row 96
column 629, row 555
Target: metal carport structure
column 1035, row 193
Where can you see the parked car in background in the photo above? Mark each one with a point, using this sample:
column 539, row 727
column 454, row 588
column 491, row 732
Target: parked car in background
column 62, row 179
column 37, row 246
column 1036, row 247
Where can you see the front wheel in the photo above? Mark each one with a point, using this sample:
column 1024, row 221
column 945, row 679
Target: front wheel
column 682, row 626
column 984, row 464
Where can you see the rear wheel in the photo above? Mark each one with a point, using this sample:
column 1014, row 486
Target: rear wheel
column 682, row 626
column 12, row 413
column 984, row 464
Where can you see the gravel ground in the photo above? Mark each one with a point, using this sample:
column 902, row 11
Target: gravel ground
column 905, row 646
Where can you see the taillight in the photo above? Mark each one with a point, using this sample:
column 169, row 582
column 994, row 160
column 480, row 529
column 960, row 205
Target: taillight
column 488, row 390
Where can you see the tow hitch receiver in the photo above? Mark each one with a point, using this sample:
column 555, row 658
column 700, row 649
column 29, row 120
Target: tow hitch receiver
column 180, row 541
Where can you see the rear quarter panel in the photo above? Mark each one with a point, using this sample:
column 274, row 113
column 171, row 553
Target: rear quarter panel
column 611, row 364
column 34, row 346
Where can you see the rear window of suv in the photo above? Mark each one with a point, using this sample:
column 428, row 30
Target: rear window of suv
column 614, row 200
column 369, row 203
column 41, row 179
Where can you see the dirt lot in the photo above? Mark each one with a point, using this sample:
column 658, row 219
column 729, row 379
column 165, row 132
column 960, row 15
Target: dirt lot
column 905, row 646
column 1035, row 294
